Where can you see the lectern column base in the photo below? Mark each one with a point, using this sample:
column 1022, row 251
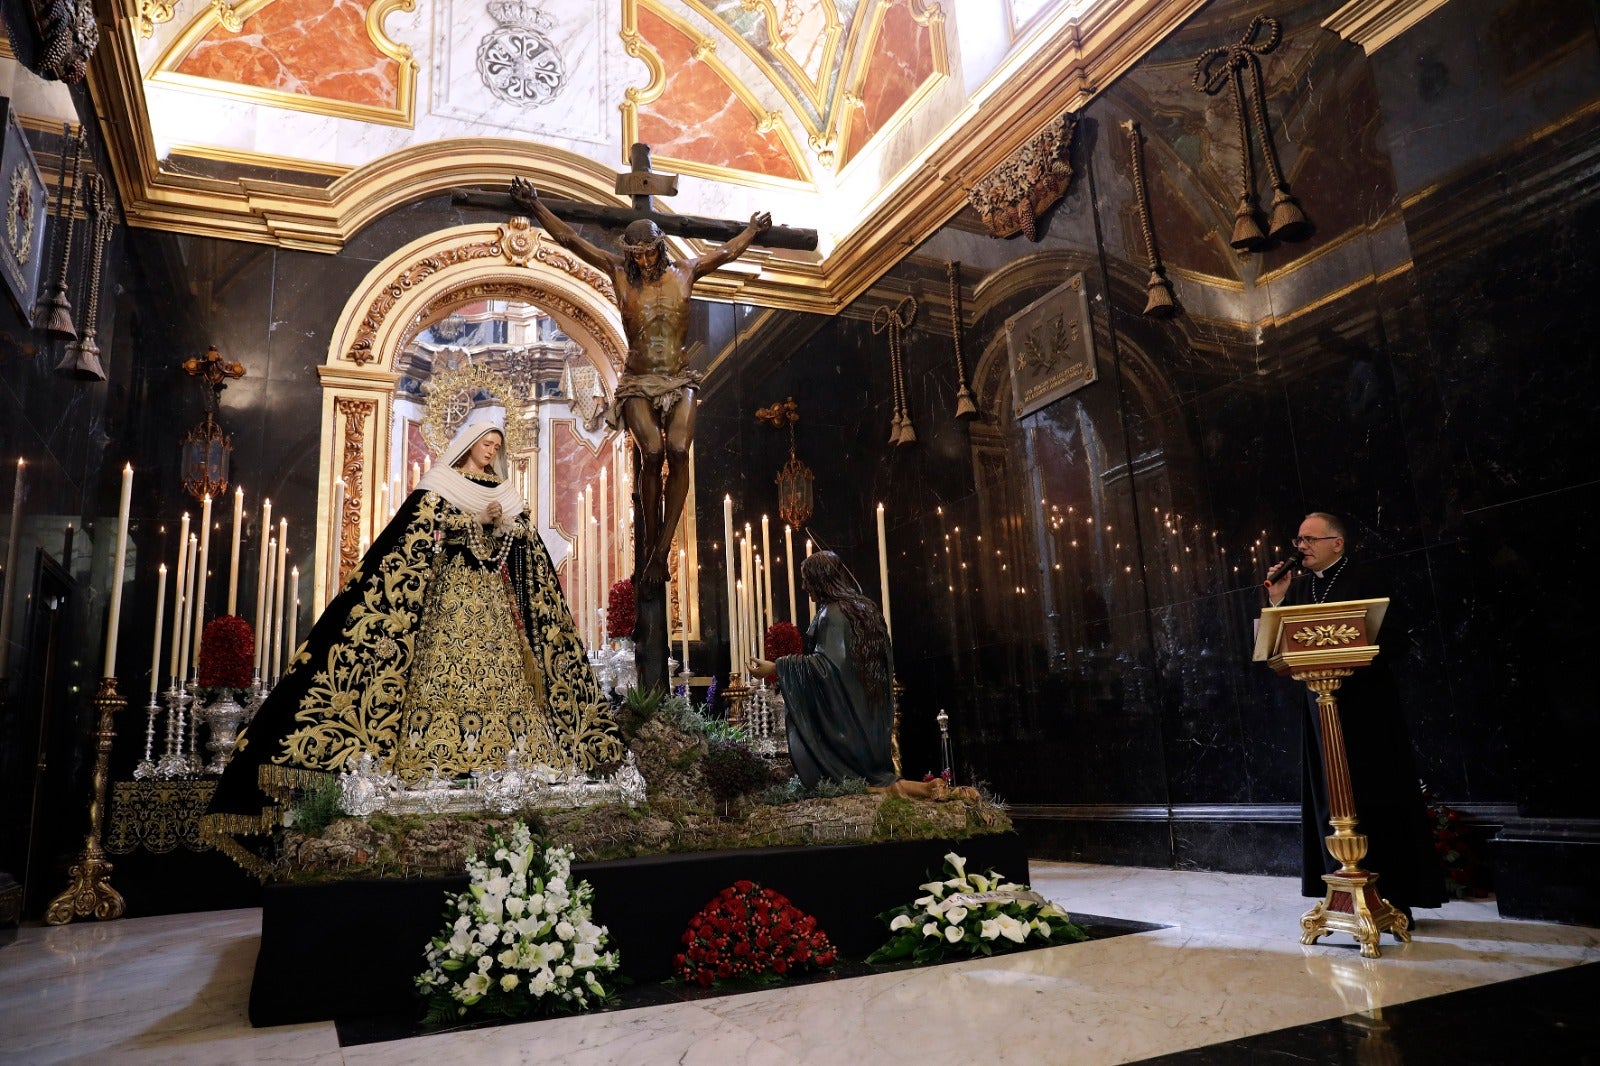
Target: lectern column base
column 1353, row 906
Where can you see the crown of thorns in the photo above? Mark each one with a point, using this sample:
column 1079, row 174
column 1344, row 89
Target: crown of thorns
column 642, row 235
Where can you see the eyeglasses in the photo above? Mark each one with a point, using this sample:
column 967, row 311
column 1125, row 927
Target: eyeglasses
column 1301, row 542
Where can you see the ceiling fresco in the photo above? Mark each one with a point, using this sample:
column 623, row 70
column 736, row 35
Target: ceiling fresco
column 297, row 122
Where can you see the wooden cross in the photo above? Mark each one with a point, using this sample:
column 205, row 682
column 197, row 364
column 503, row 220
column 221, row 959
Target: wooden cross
column 643, row 184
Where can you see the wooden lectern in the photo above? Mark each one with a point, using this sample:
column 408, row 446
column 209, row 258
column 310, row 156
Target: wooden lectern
column 1321, row 644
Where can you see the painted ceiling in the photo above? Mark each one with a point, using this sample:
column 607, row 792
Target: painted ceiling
column 298, row 121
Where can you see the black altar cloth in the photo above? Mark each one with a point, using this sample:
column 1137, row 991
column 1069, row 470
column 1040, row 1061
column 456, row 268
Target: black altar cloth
column 349, row 949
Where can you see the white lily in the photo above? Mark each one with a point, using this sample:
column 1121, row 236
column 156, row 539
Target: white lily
column 901, row 921
column 989, row 929
column 931, row 929
column 955, row 915
column 958, row 863
column 476, row 985
column 953, row 933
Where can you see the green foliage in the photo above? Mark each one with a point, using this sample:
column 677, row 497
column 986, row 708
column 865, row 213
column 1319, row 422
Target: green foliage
column 900, row 817
column 730, row 769
column 793, row 791
column 688, row 719
column 316, row 809
column 644, row 702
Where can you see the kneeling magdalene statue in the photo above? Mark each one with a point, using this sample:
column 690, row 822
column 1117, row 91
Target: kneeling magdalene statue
column 448, row 646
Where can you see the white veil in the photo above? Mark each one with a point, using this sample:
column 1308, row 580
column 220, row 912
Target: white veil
column 462, row 491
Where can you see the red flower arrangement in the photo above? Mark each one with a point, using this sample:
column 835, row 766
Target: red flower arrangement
column 783, row 639
column 227, row 653
column 747, row 932
column 621, row 610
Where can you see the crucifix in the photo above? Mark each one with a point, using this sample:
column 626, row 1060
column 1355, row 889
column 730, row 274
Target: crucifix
column 655, row 394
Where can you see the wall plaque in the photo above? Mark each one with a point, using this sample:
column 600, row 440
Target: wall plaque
column 22, row 236
column 1051, row 342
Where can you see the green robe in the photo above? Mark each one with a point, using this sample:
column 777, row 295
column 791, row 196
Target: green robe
column 834, row 730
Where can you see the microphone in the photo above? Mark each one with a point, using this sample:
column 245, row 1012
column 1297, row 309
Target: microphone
column 1287, row 566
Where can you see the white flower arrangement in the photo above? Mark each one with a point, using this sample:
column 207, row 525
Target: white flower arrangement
column 519, row 939
column 972, row 914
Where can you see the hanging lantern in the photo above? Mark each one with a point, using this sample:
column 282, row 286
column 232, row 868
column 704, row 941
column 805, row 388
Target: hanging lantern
column 795, row 480
column 205, row 459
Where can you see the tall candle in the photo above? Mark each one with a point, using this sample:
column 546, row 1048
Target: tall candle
column 595, row 592
column 205, row 562
column 261, row 586
column 416, row 474
column 427, row 463
column 761, row 609
column 394, row 501
column 267, row 611
column 605, row 539
column 747, row 574
column 13, row 540
column 379, row 509
column 811, row 604
column 727, row 551
column 766, row 574
column 233, row 557
column 277, row 598
column 110, row 668
column 744, row 649
column 683, row 605
column 155, row 643
column 177, row 599
column 193, row 568
column 294, row 609
column 788, row 565
column 575, row 582
column 883, row 574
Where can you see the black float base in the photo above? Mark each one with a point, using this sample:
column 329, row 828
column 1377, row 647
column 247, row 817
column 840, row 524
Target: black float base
column 349, row 949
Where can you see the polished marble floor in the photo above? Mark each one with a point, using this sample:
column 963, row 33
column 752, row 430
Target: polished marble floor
column 1226, row 969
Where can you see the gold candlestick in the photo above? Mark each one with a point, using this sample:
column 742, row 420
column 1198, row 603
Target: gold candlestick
column 89, row 890
column 737, row 693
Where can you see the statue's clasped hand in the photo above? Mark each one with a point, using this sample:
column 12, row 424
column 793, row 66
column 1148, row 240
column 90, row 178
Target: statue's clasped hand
column 523, row 193
column 492, row 513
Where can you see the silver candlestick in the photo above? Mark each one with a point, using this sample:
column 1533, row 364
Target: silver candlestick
column 147, row 766
column 944, row 744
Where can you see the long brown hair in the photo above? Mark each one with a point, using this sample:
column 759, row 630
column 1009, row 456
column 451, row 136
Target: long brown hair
column 829, row 583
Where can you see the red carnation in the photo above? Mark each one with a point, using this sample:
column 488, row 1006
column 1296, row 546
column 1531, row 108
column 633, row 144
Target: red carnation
column 621, row 610
column 747, row 931
column 227, row 653
column 783, row 639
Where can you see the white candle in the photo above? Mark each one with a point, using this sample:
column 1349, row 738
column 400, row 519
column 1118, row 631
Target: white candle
column 727, row 545
column 193, row 567
column 110, row 668
column 883, row 574
column 294, row 609
column 766, row 574
column 580, row 617
column 155, row 643
column 416, row 474
column 205, row 562
column 261, row 586
column 683, row 606
column 264, row 668
column 597, row 596
column 177, row 599
column 811, row 604
column 394, row 501
column 746, row 574
column 427, row 463
column 760, row 604
column 605, row 539
column 233, row 557
column 13, row 541
column 378, row 509
column 788, row 565
column 744, row 649
column 335, row 544
column 277, row 599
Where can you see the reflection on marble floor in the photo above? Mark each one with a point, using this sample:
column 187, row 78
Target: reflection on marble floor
column 174, row 990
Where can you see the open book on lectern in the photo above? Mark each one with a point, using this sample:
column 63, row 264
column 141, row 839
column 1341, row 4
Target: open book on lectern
column 1270, row 624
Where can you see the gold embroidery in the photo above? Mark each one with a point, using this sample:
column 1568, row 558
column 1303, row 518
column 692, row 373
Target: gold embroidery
column 158, row 816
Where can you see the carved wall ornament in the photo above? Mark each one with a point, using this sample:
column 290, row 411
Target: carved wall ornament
column 518, row 239
column 1159, row 302
column 148, row 13
column 894, row 321
column 68, row 36
column 352, row 465
column 360, row 351
column 1034, row 177
column 1051, row 344
column 517, row 62
column 1235, row 65
column 1323, row 636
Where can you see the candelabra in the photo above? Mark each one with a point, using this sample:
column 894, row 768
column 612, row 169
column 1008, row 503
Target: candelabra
column 89, row 890
column 944, row 745
column 147, row 766
column 172, row 762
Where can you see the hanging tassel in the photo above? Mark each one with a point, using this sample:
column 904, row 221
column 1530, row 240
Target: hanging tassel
column 1158, row 301
column 965, row 408
column 57, row 309
column 1247, row 235
column 1288, row 223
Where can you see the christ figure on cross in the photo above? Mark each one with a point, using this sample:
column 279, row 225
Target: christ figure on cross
column 654, row 398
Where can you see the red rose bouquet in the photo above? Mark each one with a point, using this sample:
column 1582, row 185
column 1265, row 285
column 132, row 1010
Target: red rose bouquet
column 783, row 639
column 621, row 610
column 227, row 653
column 749, row 932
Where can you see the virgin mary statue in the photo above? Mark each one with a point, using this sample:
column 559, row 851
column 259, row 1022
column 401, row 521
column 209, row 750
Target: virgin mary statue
column 448, row 646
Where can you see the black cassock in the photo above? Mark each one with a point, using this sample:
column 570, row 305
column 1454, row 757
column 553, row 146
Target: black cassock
column 835, row 731
column 1383, row 768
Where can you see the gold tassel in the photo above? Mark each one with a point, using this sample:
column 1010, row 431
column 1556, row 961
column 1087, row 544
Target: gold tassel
column 1159, row 303
column 965, row 408
column 907, row 434
column 1247, row 235
column 1288, row 223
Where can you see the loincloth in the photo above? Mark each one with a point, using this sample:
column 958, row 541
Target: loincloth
column 664, row 391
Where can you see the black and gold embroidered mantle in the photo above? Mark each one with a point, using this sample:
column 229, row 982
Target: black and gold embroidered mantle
column 346, row 689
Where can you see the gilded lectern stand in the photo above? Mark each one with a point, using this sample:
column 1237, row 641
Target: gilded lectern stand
column 1321, row 644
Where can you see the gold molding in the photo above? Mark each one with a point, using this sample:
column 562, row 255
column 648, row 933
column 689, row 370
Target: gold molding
column 164, row 72
column 816, row 96
column 929, row 15
column 1374, row 23
column 762, row 119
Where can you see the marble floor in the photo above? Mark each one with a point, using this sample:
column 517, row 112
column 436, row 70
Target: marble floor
column 1228, row 968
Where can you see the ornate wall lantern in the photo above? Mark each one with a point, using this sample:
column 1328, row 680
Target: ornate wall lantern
column 206, row 450
column 795, row 480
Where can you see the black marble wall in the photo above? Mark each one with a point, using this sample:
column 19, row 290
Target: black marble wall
column 1076, row 587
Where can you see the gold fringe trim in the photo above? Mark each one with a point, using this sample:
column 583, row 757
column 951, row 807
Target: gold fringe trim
column 281, row 782
column 221, row 831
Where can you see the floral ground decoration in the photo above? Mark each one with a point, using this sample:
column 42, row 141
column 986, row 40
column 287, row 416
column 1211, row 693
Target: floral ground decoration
column 520, row 940
column 972, row 914
column 747, row 933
